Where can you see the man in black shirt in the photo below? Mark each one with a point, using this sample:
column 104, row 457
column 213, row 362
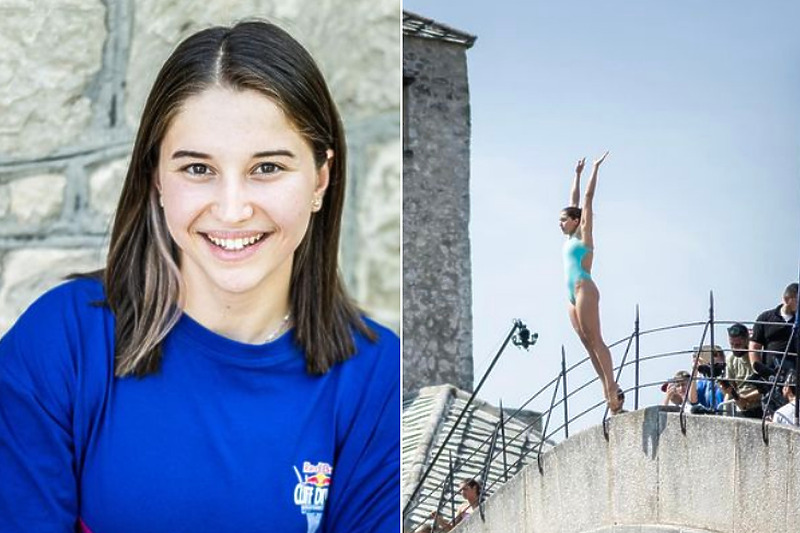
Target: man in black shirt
column 773, row 332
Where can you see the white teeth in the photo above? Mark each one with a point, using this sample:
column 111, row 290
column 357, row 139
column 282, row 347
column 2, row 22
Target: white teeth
column 235, row 244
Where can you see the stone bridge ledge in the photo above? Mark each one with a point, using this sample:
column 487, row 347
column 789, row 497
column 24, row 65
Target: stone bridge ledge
column 650, row 477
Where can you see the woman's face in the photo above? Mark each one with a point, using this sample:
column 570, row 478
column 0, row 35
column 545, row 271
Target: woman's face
column 238, row 184
column 567, row 224
column 469, row 493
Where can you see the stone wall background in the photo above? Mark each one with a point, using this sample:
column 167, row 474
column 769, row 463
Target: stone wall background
column 74, row 75
column 437, row 287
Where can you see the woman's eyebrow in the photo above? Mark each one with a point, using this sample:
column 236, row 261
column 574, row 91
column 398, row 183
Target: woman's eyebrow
column 273, row 153
column 200, row 155
column 190, row 153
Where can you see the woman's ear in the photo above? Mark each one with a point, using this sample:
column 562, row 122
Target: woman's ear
column 323, row 175
column 157, row 184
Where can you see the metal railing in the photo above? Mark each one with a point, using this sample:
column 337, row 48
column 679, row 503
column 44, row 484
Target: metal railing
column 433, row 500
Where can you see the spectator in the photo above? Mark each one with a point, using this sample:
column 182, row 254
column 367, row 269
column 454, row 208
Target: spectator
column 471, row 491
column 704, row 392
column 765, row 381
column 676, row 388
column 737, row 371
column 773, row 332
column 785, row 415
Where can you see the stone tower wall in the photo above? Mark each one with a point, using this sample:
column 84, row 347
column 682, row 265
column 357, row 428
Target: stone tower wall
column 437, row 294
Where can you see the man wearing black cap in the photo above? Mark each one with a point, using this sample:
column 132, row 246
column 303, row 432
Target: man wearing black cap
column 737, row 370
column 773, row 332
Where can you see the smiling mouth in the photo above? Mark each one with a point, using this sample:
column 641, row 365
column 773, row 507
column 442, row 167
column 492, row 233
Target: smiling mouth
column 234, row 244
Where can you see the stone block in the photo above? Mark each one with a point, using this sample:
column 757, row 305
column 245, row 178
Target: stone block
column 5, row 200
column 534, row 506
column 38, row 198
column 549, row 518
column 376, row 270
column 364, row 79
column 105, row 185
column 793, row 475
column 26, row 274
column 584, row 478
column 696, row 471
column 762, row 475
column 634, row 466
column 512, row 508
column 50, row 51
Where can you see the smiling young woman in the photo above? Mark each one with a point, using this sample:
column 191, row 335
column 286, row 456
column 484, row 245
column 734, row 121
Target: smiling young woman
column 215, row 376
column 238, row 185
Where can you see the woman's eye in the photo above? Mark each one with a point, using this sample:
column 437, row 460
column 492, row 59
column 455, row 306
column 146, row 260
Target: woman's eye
column 197, row 169
column 267, row 168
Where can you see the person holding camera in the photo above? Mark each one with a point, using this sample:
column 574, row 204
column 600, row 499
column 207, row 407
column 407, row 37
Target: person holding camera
column 676, row 388
column 704, row 394
column 737, row 373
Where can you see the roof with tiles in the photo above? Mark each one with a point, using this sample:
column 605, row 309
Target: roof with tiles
column 428, row 416
column 418, row 26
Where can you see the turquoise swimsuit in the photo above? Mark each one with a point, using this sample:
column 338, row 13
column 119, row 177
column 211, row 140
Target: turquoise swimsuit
column 574, row 251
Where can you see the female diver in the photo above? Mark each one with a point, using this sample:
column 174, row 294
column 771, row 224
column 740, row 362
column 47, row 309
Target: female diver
column 584, row 298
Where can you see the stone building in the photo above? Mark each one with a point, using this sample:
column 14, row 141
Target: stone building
column 73, row 79
column 437, row 297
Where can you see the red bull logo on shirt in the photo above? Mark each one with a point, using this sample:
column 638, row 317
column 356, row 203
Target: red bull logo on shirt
column 311, row 491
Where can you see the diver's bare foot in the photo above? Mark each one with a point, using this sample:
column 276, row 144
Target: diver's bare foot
column 617, row 399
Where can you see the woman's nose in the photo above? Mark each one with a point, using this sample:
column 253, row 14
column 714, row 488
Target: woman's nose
column 232, row 203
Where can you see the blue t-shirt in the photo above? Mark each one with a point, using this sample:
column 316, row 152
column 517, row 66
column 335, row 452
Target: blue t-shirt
column 226, row 437
column 704, row 396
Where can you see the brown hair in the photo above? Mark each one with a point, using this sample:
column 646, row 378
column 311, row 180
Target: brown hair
column 142, row 276
column 573, row 212
column 473, row 484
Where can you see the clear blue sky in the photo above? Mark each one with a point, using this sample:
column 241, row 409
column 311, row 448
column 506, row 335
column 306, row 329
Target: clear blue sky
column 699, row 104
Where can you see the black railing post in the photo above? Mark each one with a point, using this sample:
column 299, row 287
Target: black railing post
column 503, row 435
column 564, row 391
column 449, row 476
column 712, row 379
column 452, row 482
column 485, row 474
column 636, row 348
column 616, row 380
column 546, row 425
column 452, row 476
column 692, row 376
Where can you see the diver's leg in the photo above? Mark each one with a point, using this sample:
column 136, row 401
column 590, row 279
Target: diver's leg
column 587, row 306
column 573, row 318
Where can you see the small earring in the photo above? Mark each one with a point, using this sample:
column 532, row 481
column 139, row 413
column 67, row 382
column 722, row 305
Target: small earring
column 161, row 200
column 316, row 204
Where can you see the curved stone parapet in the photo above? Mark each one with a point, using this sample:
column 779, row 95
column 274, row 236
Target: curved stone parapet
column 649, row 476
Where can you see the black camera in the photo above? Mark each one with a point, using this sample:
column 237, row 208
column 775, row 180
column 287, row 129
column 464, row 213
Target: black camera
column 706, row 370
